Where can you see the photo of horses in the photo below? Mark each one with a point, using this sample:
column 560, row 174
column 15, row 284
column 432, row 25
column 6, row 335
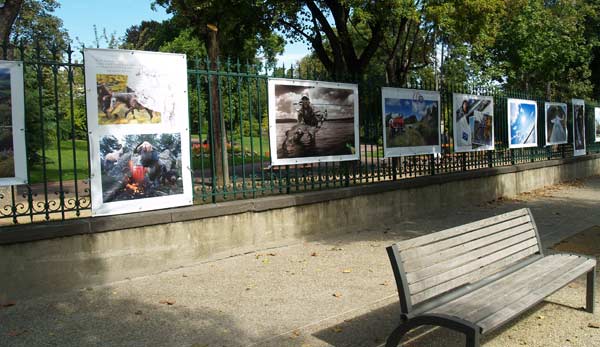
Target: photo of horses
column 578, row 126
column 411, row 121
column 119, row 103
column 522, row 123
column 312, row 121
column 137, row 115
column 140, row 166
column 556, row 123
column 473, row 120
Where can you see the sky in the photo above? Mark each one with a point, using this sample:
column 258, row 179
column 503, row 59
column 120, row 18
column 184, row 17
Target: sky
column 80, row 16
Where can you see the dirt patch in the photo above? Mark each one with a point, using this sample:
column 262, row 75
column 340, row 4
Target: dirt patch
column 585, row 242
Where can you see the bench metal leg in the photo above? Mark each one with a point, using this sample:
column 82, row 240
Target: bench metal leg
column 471, row 331
column 590, row 292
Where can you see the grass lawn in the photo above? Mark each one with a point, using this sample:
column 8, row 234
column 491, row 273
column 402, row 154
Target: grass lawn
column 246, row 141
column 68, row 172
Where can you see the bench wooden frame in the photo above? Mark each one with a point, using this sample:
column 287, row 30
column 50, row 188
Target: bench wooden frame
column 476, row 277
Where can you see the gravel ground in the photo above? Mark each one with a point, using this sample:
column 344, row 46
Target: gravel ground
column 322, row 292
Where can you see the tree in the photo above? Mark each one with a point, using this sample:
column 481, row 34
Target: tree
column 8, row 14
column 333, row 42
column 229, row 27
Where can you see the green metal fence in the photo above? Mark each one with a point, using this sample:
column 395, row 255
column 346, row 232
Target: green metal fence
column 57, row 143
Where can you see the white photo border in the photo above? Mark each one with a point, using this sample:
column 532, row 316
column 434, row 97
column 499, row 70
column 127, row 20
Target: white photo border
column 579, row 102
column 527, row 102
column 548, row 104
column 177, row 62
column 275, row 160
column 389, row 92
column 17, row 95
column 461, row 97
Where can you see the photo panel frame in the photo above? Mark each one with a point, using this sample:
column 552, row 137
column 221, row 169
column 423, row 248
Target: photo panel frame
column 522, row 123
column 411, row 122
column 312, row 121
column 473, row 122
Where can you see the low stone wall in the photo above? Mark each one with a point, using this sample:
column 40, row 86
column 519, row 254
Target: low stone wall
column 52, row 257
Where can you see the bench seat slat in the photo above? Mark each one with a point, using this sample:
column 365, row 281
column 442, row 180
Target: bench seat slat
column 523, row 286
column 461, row 306
column 473, row 276
column 415, row 265
column 473, row 254
column 440, row 235
column 475, row 261
column 517, row 307
column 434, row 247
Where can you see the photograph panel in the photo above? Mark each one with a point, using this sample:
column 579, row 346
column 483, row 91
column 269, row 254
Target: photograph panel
column 556, row 123
column 313, row 121
column 473, row 122
column 411, row 121
column 13, row 159
column 578, row 126
column 140, row 166
column 126, row 87
column 119, row 103
column 597, row 123
column 522, row 123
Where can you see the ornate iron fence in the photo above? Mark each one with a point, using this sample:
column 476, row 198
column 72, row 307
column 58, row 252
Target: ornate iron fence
column 57, row 142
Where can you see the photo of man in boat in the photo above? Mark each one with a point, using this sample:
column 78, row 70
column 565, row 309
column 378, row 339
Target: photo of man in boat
column 314, row 121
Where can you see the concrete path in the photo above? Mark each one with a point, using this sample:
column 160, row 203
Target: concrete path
column 320, row 292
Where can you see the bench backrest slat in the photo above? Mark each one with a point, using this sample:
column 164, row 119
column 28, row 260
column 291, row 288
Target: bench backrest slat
column 439, row 262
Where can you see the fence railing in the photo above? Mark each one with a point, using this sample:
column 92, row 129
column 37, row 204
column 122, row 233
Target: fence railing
column 57, row 142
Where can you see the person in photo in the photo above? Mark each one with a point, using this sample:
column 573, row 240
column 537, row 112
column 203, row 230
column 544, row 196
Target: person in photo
column 463, row 126
column 558, row 131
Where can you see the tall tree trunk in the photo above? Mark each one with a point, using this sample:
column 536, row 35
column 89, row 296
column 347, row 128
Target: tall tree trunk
column 8, row 14
column 218, row 122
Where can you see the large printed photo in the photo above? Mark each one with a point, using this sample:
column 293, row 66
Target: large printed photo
column 135, row 87
column 411, row 121
column 556, row 123
column 137, row 108
column 597, row 123
column 140, row 166
column 312, row 121
column 578, row 126
column 473, row 120
column 13, row 164
column 522, row 123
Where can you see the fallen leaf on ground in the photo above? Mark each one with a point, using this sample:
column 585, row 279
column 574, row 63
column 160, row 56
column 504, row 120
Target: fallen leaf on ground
column 386, row 283
column 7, row 304
column 265, row 261
column 15, row 333
column 295, row 334
column 337, row 294
column 594, row 325
column 337, row 330
column 347, row 271
column 337, row 249
column 167, row 302
column 184, row 275
column 271, row 254
column 138, row 312
column 313, row 254
column 540, row 317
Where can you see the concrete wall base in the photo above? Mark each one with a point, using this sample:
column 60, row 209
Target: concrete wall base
column 92, row 256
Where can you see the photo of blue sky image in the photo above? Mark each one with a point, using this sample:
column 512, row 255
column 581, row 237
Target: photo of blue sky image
column 522, row 118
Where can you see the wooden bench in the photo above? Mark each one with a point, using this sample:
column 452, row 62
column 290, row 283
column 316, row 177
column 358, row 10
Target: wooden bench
column 478, row 276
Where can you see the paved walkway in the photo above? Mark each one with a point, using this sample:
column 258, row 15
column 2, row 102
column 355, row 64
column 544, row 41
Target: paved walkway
column 321, row 292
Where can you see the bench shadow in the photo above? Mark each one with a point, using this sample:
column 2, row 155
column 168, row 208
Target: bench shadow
column 101, row 318
column 373, row 328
